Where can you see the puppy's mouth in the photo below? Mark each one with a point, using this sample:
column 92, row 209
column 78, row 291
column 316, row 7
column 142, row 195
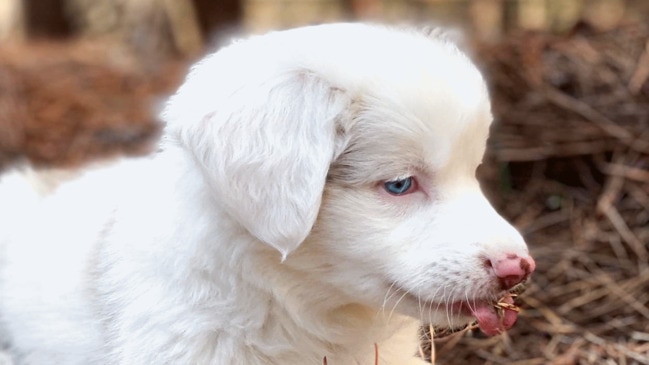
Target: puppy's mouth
column 493, row 317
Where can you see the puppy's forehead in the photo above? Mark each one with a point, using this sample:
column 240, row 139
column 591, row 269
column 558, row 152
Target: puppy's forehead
column 405, row 65
column 417, row 99
column 387, row 141
column 443, row 124
column 358, row 57
column 420, row 100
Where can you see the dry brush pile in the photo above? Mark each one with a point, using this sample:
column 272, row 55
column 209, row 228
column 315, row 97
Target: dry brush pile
column 569, row 165
column 64, row 104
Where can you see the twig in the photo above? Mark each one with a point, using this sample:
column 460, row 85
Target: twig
column 641, row 73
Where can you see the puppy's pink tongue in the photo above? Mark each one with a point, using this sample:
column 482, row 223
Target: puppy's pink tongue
column 490, row 322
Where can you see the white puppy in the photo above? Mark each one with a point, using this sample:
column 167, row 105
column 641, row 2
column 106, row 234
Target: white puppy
column 315, row 195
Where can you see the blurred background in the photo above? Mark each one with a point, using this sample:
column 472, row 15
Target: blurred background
column 568, row 160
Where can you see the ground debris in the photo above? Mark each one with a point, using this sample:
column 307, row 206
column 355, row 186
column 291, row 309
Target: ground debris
column 63, row 104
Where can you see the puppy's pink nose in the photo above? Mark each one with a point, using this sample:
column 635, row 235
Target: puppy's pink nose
column 510, row 269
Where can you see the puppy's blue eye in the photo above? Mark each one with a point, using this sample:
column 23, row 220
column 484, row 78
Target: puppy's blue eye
column 398, row 187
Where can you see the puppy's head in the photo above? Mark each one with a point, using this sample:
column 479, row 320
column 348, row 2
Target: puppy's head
column 356, row 146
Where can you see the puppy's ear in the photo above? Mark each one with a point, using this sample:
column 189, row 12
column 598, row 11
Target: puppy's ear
column 266, row 149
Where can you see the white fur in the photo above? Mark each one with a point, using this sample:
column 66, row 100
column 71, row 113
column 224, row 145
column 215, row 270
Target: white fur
column 261, row 234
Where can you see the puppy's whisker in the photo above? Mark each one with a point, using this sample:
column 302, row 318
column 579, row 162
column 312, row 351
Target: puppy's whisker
column 469, row 303
column 421, row 311
column 447, row 304
column 430, row 309
column 439, row 302
column 396, row 304
column 392, row 292
column 474, row 301
column 451, row 307
column 454, row 299
column 387, row 297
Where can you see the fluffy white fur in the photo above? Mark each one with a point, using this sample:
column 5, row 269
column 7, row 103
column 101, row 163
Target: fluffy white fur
column 262, row 233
